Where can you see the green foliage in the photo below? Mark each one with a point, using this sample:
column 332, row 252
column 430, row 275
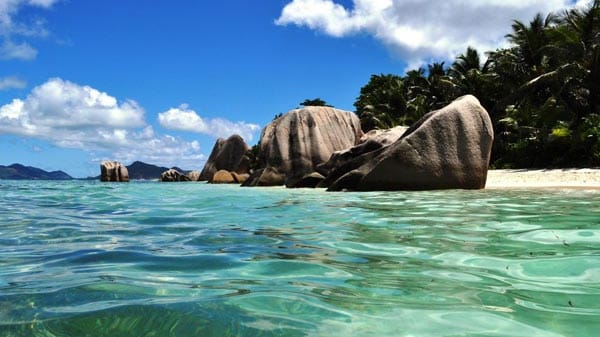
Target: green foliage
column 315, row 102
column 561, row 132
column 253, row 157
column 542, row 92
column 383, row 103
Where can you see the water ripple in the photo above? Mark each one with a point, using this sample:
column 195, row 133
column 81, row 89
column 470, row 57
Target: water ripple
column 80, row 258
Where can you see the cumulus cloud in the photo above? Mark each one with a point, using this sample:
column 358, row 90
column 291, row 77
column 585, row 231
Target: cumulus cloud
column 147, row 146
column 11, row 29
column 59, row 104
column 12, row 82
column 78, row 116
column 185, row 119
column 419, row 30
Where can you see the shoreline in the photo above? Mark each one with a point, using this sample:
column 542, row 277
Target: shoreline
column 573, row 178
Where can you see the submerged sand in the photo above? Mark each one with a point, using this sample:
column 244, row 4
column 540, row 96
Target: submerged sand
column 555, row 178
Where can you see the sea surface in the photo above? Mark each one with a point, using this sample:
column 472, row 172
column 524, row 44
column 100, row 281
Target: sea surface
column 189, row 259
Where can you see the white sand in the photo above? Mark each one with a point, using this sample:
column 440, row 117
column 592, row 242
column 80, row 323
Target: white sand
column 561, row 178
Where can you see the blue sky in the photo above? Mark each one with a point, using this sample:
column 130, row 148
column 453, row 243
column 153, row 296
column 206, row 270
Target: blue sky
column 159, row 81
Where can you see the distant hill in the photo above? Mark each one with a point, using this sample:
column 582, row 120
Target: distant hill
column 141, row 170
column 21, row 172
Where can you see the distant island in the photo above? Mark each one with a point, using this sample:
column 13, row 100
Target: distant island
column 142, row 171
column 137, row 170
column 21, row 172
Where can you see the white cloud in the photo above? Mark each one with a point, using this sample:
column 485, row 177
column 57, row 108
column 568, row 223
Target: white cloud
column 60, row 108
column 42, row 3
column 22, row 51
column 11, row 28
column 185, row 119
column 59, row 104
column 419, row 30
column 75, row 116
column 12, row 82
column 146, row 146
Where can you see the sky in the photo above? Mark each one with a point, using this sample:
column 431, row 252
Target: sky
column 159, row 81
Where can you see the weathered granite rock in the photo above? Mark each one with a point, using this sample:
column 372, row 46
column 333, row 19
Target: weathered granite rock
column 447, row 148
column 268, row 176
column 113, row 171
column 293, row 145
column 222, row 177
column 226, row 177
column 240, row 178
column 172, row 175
column 370, row 141
column 194, row 175
column 310, row 180
column 385, row 136
column 229, row 155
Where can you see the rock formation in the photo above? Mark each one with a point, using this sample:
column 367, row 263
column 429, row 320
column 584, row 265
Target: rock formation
column 172, row 175
column 370, row 141
column 222, row 177
column 226, row 177
column 447, row 148
column 293, row 145
column 268, row 176
column 194, row 175
column 229, row 155
column 113, row 171
column 240, row 178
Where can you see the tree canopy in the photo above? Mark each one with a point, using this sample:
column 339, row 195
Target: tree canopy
column 315, row 102
column 542, row 92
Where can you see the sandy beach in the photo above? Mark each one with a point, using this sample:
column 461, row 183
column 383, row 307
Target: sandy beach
column 555, row 178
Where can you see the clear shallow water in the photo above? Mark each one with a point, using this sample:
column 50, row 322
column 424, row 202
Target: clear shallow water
column 151, row 259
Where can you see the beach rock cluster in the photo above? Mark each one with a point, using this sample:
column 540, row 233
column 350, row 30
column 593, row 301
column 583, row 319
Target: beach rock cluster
column 228, row 154
column 111, row 170
column 446, row 149
column 325, row 147
column 174, row 175
column 293, row 145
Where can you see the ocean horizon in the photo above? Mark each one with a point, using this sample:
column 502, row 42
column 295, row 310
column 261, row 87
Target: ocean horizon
column 84, row 258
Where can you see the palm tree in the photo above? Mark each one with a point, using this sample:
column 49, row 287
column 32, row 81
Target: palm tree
column 468, row 75
column 382, row 102
column 532, row 41
column 578, row 39
column 466, row 62
column 441, row 90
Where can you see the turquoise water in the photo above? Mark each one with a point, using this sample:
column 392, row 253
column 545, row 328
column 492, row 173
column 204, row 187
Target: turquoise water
column 151, row 259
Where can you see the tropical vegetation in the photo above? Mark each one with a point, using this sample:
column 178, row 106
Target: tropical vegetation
column 315, row 102
column 542, row 92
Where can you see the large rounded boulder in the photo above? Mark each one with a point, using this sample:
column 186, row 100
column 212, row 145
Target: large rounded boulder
column 229, row 155
column 111, row 170
column 446, row 149
column 293, row 145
